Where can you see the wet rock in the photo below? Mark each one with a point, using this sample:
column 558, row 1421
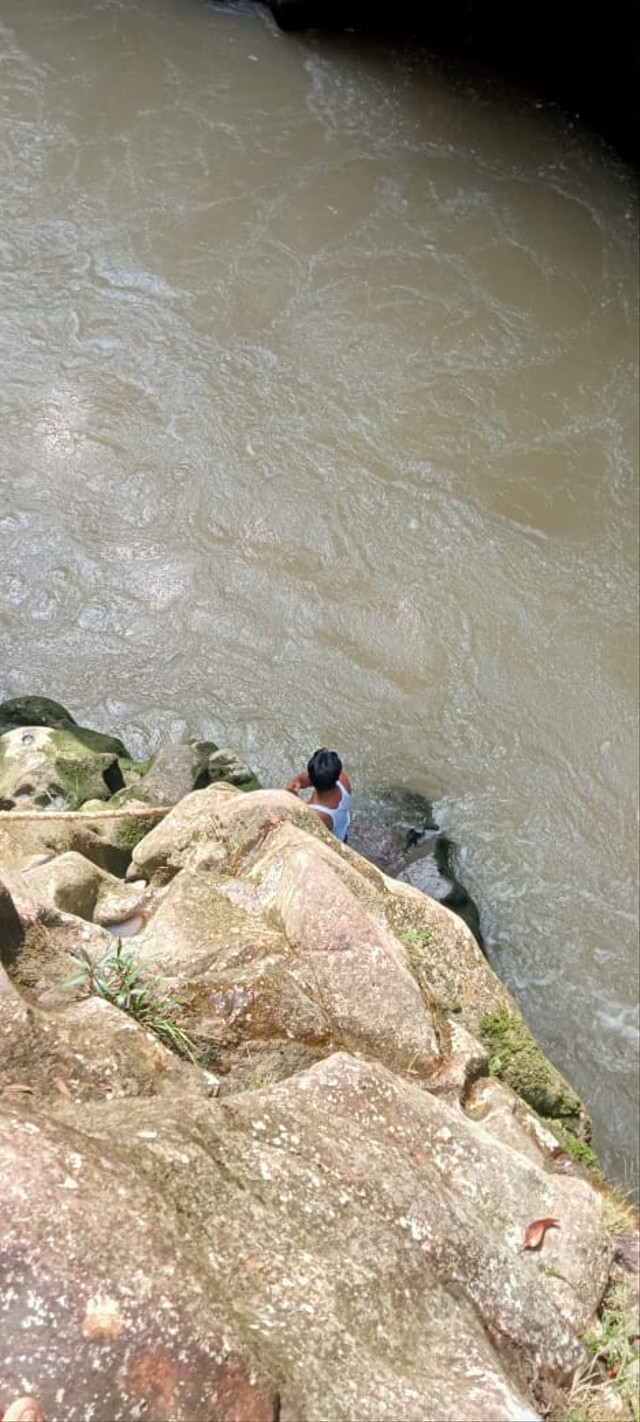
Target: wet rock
column 397, row 831
column 389, row 825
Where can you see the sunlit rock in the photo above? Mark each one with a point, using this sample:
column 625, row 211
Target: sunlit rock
column 55, row 769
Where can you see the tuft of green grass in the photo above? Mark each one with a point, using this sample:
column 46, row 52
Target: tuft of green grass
column 612, row 1350
column 619, row 1214
column 579, row 1150
column 260, row 1080
column 118, row 979
column 130, row 832
column 610, row 1342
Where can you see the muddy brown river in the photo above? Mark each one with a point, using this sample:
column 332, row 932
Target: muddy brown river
column 319, row 425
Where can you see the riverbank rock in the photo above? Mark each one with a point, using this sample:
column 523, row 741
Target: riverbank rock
column 175, row 770
column 342, row 1244
column 397, row 830
column 41, row 767
column 284, row 945
column 25, row 711
column 316, row 1206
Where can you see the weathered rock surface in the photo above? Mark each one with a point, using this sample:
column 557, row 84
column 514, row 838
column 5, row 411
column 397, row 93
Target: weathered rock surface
column 175, row 770
column 284, row 945
column 89, row 1051
column 44, row 767
column 24, row 711
column 73, row 884
column 340, row 1245
column 95, row 832
column 323, row 1215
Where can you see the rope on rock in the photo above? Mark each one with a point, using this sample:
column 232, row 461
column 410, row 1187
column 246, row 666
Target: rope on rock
column 150, row 812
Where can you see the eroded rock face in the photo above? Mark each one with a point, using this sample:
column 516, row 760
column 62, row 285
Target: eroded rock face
column 340, row 1245
column 329, row 1219
column 44, row 767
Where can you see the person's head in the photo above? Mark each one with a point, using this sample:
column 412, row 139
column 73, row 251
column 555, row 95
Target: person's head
column 324, row 769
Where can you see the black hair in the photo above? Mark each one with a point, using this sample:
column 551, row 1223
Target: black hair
column 324, row 769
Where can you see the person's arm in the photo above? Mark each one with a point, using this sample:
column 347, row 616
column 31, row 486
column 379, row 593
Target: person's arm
column 344, row 780
column 299, row 782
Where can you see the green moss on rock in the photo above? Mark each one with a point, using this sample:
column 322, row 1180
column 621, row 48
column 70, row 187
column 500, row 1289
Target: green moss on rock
column 578, row 1150
column 517, row 1060
column 82, row 779
column 34, row 711
column 41, row 711
column 131, row 831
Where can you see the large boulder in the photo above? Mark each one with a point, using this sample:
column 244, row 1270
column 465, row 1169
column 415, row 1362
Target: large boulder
column 282, row 945
column 26, row 711
column 341, row 1245
column 41, row 767
column 175, row 770
column 389, row 967
column 322, row 1212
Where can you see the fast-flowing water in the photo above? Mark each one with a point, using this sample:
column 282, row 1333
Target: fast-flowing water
column 319, row 425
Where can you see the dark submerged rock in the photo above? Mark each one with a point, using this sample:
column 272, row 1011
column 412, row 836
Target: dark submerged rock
column 396, row 829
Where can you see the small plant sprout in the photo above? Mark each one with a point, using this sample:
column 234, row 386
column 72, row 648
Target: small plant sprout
column 118, row 979
column 417, row 937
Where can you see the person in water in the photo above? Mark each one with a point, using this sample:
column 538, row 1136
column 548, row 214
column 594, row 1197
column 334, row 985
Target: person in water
column 331, row 787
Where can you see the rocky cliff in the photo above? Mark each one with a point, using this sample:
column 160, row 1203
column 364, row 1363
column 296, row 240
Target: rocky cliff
column 275, row 1139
